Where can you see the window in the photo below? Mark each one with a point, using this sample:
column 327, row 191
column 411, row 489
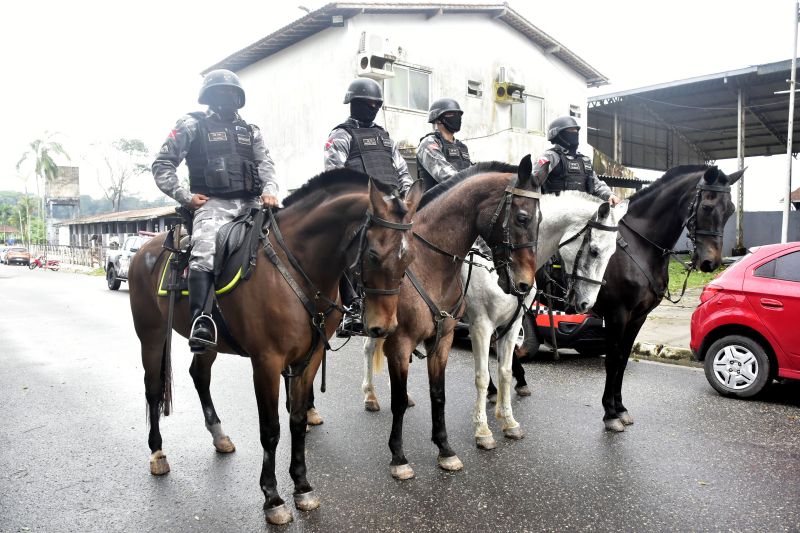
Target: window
column 575, row 111
column 786, row 267
column 475, row 88
column 409, row 89
column 528, row 115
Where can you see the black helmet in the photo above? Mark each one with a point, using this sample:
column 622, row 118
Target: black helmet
column 560, row 124
column 442, row 106
column 220, row 78
column 365, row 88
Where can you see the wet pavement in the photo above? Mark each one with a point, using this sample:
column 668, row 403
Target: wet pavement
column 74, row 441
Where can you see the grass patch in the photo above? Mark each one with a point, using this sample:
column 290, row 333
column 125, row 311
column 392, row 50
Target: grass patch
column 677, row 273
column 97, row 272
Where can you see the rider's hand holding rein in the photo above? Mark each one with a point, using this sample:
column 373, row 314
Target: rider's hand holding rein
column 269, row 200
column 197, row 200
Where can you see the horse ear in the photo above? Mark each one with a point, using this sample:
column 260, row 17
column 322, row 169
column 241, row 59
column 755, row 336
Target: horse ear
column 621, row 209
column 711, row 174
column 379, row 204
column 736, row 176
column 524, row 172
column 603, row 210
column 413, row 196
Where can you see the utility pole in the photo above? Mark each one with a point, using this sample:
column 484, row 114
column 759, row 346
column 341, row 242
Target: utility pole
column 739, row 249
column 787, row 200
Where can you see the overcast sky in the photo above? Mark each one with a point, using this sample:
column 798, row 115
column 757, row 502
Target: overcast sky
column 95, row 71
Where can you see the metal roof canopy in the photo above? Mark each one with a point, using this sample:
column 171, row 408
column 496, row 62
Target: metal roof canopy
column 695, row 120
column 321, row 19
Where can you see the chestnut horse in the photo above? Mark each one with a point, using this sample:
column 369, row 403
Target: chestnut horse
column 322, row 223
column 496, row 201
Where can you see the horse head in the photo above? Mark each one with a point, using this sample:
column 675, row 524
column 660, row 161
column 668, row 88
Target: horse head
column 514, row 231
column 585, row 259
column 708, row 214
column 386, row 254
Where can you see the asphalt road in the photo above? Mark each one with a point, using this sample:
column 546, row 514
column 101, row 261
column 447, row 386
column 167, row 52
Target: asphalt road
column 73, row 448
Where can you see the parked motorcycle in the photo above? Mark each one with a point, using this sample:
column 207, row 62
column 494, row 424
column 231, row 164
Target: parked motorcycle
column 43, row 262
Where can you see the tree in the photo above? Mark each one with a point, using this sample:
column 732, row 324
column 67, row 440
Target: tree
column 6, row 218
column 123, row 163
column 40, row 154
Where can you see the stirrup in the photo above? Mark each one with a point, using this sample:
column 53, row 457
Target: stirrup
column 197, row 341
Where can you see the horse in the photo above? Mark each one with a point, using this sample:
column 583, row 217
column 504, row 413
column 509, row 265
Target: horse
column 696, row 197
column 456, row 212
column 584, row 229
column 280, row 315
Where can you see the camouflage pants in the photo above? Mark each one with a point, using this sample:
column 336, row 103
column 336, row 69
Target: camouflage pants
column 208, row 219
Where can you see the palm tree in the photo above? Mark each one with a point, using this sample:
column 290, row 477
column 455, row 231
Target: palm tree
column 6, row 218
column 40, row 153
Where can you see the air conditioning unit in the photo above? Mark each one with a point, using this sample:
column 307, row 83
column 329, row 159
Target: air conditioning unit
column 374, row 59
column 508, row 89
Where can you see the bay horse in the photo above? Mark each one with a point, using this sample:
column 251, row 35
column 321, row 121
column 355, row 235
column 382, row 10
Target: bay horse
column 583, row 229
column 695, row 197
column 321, row 223
column 473, row 203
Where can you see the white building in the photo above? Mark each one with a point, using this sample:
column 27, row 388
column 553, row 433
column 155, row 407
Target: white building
column 296, row 78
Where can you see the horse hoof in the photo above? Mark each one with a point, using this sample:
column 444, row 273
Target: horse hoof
column 280, row 514
column 614, row 424
column 402, row 471
column 514, row 433
column 224, row 445
column 410, row 402
column 626, row 418
column 158, row 463
column 485, row 443
column 307, row 501
column 492, row 398
column 372, row 406
column 523, row 390
column 313, row 418
column 451, row 464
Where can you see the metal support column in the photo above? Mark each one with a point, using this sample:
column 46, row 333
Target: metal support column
column 787, row 199
column 617, row 139
column 739, row 249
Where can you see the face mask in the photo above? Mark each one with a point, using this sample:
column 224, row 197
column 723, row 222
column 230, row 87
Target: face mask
column 224, row 104
column 569, row 140
column 451, row 123
column 362, row 111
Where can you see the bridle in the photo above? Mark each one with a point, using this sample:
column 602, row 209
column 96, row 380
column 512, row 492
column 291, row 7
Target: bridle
column 691, row 222
column 357, row 267
column 586, row 231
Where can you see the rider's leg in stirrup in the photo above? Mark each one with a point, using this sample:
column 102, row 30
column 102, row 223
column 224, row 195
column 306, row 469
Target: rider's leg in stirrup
column 351, row 322
column 204, row 332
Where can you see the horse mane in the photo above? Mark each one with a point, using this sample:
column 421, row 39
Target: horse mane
column 668, row 177
column 479, row 168
column 581, row 195
column 336, row 177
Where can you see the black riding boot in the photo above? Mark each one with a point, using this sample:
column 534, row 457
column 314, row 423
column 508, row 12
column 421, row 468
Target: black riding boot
column 204, row 331
column 351, row 322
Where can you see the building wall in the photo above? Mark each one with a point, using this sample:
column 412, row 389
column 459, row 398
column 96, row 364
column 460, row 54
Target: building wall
column 295, row 96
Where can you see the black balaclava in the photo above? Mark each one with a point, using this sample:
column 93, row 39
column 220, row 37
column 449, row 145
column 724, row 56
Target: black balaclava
column 569, row 140
column 451, row 123
column 224, row 104
column 362, row 111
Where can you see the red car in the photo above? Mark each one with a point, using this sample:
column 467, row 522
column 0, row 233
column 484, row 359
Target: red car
column 747, row 326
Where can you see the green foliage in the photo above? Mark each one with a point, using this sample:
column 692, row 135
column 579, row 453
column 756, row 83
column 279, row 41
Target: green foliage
column 677, row 273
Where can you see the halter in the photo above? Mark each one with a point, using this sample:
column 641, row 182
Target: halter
column 586, row 231
column 357, row 267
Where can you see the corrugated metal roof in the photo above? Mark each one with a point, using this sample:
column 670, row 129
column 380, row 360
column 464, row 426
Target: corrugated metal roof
column 320, row 19
column 124, row 216
column 796, row 195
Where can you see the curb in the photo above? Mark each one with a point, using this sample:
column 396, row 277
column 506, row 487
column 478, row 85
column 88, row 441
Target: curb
column 660, row 351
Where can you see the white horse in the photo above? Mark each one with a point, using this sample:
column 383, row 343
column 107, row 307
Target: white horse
column 577, row 225
column 566, row 219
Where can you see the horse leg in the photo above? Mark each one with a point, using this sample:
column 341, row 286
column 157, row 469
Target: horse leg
column 631, row 332
column 518, row 371
column 367, row 385
column 503, row 411
column 398, row 361
column 266, row 380
column 491, row 390
column 200, row 370
column 312, row 415
column 154, row 391
column 437, row 362
column 480, row 333
column 615, row 328
column 305, row 499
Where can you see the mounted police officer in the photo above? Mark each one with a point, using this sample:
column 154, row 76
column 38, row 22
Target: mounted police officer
column 440, row 155
column 230, row 172
column 566, row 169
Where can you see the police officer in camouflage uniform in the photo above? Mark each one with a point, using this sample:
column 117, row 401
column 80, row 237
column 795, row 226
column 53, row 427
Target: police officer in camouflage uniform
column 440, row 155
column 360, row 144
column 230, row 172
column 566, row 169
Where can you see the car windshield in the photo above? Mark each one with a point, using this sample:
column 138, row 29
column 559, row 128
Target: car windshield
column 18, row 250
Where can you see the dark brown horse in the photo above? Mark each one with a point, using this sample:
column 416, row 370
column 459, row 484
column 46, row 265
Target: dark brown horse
column 265, row 316
column 496, row 201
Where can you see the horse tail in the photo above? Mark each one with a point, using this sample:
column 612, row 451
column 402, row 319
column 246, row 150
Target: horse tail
column 377, row 356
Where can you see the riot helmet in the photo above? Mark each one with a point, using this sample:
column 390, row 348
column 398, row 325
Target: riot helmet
column 211, row 94
column 557, row 134
column 363, row 88
column 448, row 112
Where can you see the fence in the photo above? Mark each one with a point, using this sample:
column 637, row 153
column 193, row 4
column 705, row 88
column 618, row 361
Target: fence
column 88, row 256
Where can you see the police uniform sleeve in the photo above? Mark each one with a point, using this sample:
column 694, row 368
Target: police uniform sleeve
column 403, row 177
column 266, row 167
column 432, row 159
column 337, row 148
column 172, row 152
column 544, row 165
column 597, row 187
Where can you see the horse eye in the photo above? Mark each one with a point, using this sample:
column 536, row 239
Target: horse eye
column 523, row 220
column 372, row 255
column 708, row 208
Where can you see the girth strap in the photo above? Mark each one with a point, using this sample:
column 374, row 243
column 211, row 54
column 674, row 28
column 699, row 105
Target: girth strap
column 439, row 316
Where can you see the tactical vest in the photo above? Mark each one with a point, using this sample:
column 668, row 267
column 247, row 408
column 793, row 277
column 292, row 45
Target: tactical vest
column 456, row 153
column 572, row 174
column 221, row 160
column 371, row 153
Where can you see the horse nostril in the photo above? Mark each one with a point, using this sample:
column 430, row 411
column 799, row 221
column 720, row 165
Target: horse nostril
column 524, row 287
column 377, row 332
column 706, row 266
